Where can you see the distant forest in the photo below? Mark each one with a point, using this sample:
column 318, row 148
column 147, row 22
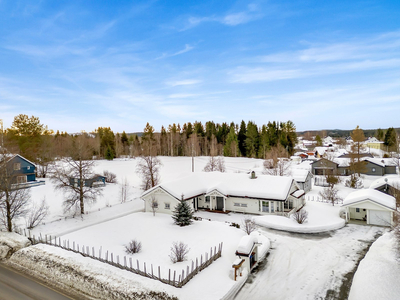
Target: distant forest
column 28, row 137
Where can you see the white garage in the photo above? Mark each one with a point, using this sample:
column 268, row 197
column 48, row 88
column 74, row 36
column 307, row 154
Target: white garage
column 371, row 206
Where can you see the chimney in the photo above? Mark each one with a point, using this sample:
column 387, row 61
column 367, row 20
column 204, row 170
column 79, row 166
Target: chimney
column 253, row 175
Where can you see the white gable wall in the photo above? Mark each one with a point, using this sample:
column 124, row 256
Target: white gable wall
column 163, row 198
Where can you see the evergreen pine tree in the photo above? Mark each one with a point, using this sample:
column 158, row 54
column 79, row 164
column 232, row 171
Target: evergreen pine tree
column 109, row 153
column 183, row 214
column 242, row 138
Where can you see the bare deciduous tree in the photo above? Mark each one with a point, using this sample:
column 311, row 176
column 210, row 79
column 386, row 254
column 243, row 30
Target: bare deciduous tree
column 300, row 216
column 36, row 214
column 215, row 164
column 153, row 204
column 330, row 193
column 72, row 173
column 124, row 191
column 248, row 225
column 179, row 250
column 110, row 177
column 276, row 163
column 148, row 168
column 14, row 201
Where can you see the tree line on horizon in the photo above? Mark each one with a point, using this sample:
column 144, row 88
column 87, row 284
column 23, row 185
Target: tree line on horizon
column 33, row 140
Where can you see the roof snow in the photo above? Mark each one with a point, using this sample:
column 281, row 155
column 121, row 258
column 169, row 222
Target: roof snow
column 392, row 181
column 246, row 244
column 232, row 184
column 300, row 175
column 371, row 195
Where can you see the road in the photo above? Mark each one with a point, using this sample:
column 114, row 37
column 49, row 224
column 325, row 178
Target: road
column 13, row 285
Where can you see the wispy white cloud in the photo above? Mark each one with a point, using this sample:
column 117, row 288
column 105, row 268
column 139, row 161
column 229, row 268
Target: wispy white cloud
column 251, row 13
column 184, row 50
column 184, row 82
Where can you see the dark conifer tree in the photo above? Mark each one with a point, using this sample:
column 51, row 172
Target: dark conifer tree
column 242, row 138
column 183, row 214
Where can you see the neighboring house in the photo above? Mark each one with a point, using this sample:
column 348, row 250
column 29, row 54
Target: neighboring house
column 364, row 154
column 263, row 194
column 320, row 151
column 341, row 166
column 387, row 185
column 374, row 143
column 21, row 170
column 94, row 181
column 303, row 178
column 370, row 206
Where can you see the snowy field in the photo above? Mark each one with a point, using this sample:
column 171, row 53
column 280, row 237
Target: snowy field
column 300, row 266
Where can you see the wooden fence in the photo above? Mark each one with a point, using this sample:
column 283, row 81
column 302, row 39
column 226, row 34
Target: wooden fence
column 175, row 279
column 317, row 198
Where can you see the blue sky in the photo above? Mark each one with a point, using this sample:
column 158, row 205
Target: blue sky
column 78, row 65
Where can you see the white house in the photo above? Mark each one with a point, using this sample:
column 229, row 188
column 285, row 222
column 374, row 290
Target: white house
column 371, row 206
column 262, row 194
column 303, row 178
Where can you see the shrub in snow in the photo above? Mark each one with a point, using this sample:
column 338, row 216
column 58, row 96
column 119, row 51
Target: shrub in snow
column 300, row 216
column 248, row 225
column 110, row 177
column 133, row 247
column 36, row 214
column 183, row 214
column 354, row 182
column 179, row 250
column 331, row 194
column 233, row 224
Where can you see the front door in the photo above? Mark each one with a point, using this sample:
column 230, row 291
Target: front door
column 220, row 203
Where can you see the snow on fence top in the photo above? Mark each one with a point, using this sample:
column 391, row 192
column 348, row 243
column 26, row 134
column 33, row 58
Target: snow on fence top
column 246, row 244
column 232, row 184
column 372, row 195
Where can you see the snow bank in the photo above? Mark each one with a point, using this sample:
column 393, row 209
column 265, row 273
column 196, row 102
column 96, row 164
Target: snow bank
column 11, row 242
column 322, row 217
column 378, row 274
column 73, row 271
column 372, row 195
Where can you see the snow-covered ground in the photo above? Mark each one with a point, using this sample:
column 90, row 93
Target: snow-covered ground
column 378, row 274
column 308, row 266
column 321, row 217
column 300, row 266
column 156, row 234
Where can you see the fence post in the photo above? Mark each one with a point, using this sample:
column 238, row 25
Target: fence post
column 130, row 261
column 107, row 255
column 124, row 261
column 137, row 262
column 151, row 270
column 145, row 268
column 117, row 259
column 169, row 276
column 159, row 272
column 112, row 258
column 174, row 276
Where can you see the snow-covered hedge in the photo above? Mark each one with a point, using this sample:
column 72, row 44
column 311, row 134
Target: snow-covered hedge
column 67, row 270
column 11, row 242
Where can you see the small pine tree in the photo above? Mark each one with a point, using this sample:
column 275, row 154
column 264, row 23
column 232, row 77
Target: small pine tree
column 109, row 153
column 183, row 214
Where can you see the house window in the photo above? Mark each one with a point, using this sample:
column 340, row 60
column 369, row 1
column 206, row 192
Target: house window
column 243, row 205
column 167, row 206
column 17, row 166
column 373, row 170
column 236, row 204
column 272, row 207
column 265, row 206
column 357, row 210
column 207, row 199
column 21, row 179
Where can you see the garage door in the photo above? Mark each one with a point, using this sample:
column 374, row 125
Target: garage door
column 378, row 217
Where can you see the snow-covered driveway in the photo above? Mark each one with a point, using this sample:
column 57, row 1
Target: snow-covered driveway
column 308, row 266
